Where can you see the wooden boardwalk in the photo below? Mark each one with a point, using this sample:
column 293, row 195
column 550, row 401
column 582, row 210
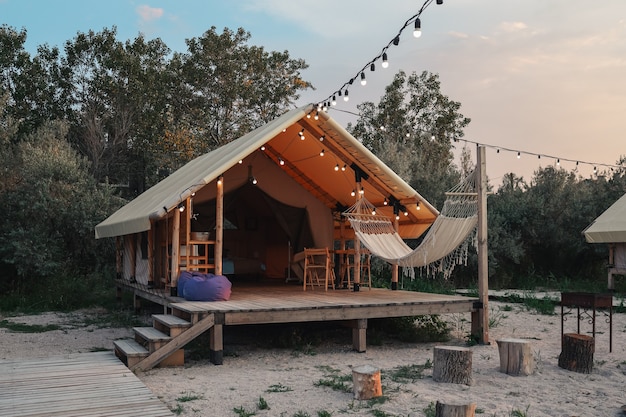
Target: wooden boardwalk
column 80, row 385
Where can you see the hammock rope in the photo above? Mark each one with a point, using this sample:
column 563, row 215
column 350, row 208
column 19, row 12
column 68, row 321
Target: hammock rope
column 445, row 244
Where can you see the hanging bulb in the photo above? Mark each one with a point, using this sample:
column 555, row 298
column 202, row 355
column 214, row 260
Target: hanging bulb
column 254, row 181
column 373, row 212
column 317, row 116
column 595, row 170
column 417, row 32
column 353, row 193
column 337, row 167
column 308, row 115
column 397, row 217
column 418, row 206
column 301, row 133
column 385, row 202
column 439, row 1
column 406, row 213
column 343, row 168
column 432, row 137
column 498, row 150
column 385, row 63
column 372, row 67
column 558, row 162
column 219, row 181
column 241, row 161
column 396, row 40
column 334, row 102
column 325, row 108
column 263, row 147
column 363, row 80
column 519, row 155
column 322, row 152
column 345, row 96
column 181, row 207
column 322, row 138
column 361, row 191
column 281, row 162
column 538, row 156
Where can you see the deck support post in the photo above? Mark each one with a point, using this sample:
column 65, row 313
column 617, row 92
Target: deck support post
column 216, row 340
column 394, row 267
column 136, row 302
column 359, row 335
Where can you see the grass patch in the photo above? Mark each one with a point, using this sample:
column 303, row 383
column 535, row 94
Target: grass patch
column 409, row 373
column 186, row 397
column 242, row 412
column 332, row 379
column 278, row 388
column 28, row 328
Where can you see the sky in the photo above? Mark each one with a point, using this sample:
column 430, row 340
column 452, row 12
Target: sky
column 536, row 77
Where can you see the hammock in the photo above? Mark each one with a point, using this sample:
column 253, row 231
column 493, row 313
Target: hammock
column 445, row 244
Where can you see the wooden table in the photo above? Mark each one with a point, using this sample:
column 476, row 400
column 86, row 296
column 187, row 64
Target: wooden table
column 588, row 301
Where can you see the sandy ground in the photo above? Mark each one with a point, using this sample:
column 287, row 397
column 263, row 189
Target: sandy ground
column 288, row 380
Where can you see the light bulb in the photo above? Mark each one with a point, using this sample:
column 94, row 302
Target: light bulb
column 322, row 138
column 418, row 206
column 241, row 161
column 317, row 116
column 322, row 152
column 397, row 217
column 373, row 212
column 343, row 168
column 263, row 147
column 334, row 102
column 519, row 155
column 417, row 32
column 385, row 63
column 558, row 162
column 254, row 181
column 372, row 67
column 337, row 167
column 281, row 161
column 363, row 80
column 345, row 96
column 353, row 193
column 406, row 213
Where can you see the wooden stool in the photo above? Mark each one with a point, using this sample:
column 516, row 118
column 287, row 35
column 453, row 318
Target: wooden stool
column 452, row 364
column 366, row 381
column 516, row 357
column 577, row 353
column 454, row 410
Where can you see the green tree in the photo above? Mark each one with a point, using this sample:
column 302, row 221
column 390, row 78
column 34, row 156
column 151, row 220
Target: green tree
column 227, row 88
column 51, row 206
column 412, row 129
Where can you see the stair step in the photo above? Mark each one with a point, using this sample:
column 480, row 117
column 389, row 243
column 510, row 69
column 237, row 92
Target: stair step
column 150, row 334
column 130, row 348
column 170, row 324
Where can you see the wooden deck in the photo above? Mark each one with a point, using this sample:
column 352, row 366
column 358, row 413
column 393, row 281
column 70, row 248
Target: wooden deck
column 81, row 385
column 256, row 304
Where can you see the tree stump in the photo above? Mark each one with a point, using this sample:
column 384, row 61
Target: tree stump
column 366, row 381
column 516, row 357
column 455, row 410
column 452, row 364
column 577, row 353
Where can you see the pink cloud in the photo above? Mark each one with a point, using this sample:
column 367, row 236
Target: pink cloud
column 148, row 13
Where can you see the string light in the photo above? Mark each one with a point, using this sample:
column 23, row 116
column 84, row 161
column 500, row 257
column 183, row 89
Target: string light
column 417, row 24
column 558, row 159
column 337, row 167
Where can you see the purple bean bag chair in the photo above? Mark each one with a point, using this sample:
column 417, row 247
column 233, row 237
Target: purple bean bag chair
column 205, row 287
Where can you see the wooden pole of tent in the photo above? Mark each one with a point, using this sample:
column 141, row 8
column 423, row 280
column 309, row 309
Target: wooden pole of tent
column 357, row 248
column 175, row 271
column 219, row 226
column 480, row 318
column 394, row 267
column 151, row 255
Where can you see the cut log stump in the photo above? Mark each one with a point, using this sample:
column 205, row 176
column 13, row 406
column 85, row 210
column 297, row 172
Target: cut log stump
column 516, row 357
column 577, row 353
column 366, row 381
column 452, row 364
column 454, row 410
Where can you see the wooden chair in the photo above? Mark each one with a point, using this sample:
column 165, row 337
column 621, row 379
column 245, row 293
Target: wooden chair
column 347, row 269
column 317, row 268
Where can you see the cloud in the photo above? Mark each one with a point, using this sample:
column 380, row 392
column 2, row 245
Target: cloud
column 148, row 13
column 513, row 26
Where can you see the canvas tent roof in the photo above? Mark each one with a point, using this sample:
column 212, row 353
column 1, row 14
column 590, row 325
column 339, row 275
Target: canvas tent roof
column 297, row 155
column 610, row 226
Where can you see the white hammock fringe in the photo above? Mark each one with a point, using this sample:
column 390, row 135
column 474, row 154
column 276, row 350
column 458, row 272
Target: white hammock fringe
column 446, row 242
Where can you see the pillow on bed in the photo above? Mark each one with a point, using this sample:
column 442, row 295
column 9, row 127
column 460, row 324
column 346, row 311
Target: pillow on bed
column 207, row 287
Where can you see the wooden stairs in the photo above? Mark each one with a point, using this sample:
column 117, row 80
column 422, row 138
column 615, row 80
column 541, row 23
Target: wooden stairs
column 162, row 344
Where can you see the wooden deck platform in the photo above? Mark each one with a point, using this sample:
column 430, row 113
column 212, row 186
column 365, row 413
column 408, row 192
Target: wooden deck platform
column 81, row 385
column 277, row 302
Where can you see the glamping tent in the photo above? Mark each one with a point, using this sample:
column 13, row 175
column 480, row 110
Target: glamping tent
column 610, row 227
column 247, row 207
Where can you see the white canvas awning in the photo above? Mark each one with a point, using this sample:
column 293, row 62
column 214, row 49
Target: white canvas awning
column 610, row 226
column 280, row 143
